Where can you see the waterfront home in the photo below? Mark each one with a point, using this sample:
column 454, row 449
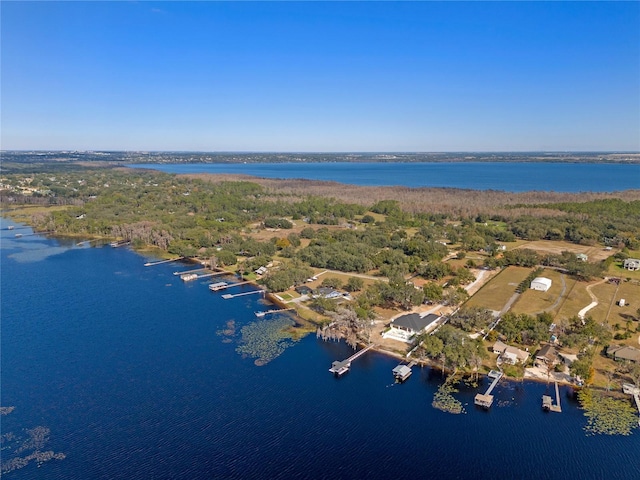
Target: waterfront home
column 631, row 264
column 629, row 354
column 541, row 284
column 509, row 354
column 328, row 292
column 547, row 356
column 405, row 327
column 303, row 290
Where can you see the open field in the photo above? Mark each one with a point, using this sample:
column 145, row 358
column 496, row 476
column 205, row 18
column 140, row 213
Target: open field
column 595, row 253
column 23, row 213
column 576, row 298
column 495, row 294
column 532, row 301
column 608, row 297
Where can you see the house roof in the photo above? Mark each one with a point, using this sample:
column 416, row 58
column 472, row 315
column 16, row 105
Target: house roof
column 624, row 353
column 499, row 346
column 548, row 352
column 519, row 354
column 401, row 370
column 543, row 280
column 303, row 289
column 414, row 322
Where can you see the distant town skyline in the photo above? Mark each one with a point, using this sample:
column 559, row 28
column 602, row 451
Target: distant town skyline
column 321, row 77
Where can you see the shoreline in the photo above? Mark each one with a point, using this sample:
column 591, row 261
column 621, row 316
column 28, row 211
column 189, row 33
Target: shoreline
column 301, row 322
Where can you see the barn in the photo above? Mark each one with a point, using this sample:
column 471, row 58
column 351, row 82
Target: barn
column 541, row 284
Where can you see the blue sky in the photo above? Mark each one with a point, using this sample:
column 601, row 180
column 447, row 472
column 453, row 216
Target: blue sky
column 287, row 76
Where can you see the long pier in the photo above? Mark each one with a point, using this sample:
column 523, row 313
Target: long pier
column 227, row 296
column 634, row 391
column 486, row 400
column 547, row 402
column 339, row 368
column 151, row 264
column 186, row 272
column 262, row 314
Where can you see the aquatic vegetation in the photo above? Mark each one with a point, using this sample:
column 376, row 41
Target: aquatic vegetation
column 444, row 400
column 26, row 450
column 607, row 415
column 267, row 339
column 229, row 332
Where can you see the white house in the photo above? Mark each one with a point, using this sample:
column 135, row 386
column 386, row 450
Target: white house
column 541, row 284
column 632, row 264
column 405, row 327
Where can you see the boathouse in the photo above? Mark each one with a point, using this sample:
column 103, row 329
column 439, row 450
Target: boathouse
column 401, row 372
column 541, row 284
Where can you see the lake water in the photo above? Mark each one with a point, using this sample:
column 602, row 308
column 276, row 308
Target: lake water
column 506, row 176
column 126, row 367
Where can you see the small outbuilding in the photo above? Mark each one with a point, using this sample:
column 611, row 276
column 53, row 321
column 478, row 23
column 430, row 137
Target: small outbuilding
column 542, row 284
column 582, row 257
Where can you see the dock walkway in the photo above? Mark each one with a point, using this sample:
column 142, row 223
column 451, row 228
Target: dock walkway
column 547, row 402
column 339, row 368
column 486, row 400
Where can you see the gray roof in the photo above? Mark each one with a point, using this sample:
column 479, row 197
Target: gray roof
column 414, row 322
column 624, row 353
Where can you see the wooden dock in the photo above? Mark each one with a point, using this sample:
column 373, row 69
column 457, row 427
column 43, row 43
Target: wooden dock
column 186, row 272
column 547, row 402
column 159, row 262
column 339, row 368
column 262, row 314
column 120, row 243
column 227, row 296
column 634, row 391
column 485, row 399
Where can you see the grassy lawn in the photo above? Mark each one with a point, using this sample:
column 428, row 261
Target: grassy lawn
column 23, row 213
column 556, row 247
column 616, row 270
column 495, row 294
column 533, row 301
column 576, row 298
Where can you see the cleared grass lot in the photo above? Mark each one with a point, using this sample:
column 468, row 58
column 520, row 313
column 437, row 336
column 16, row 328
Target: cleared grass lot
column 495, row 294
column 532, row 302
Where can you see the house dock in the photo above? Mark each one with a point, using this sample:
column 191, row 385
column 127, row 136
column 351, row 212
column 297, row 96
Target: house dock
column 120, row 243
column 339, row 368
column 151, row 264
column 485, row 399
column 186, row 272
column 227, row 296
column 402, row 371
column 262, row 314
column 634, row 391
column 547, row 402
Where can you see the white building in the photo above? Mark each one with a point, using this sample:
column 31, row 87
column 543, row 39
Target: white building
column 541, row 284
column 632, row 264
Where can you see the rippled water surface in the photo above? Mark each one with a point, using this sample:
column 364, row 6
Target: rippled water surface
column 506, row 176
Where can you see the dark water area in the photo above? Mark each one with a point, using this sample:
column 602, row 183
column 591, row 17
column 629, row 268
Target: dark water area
column 126, row 367
column 505, row 176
